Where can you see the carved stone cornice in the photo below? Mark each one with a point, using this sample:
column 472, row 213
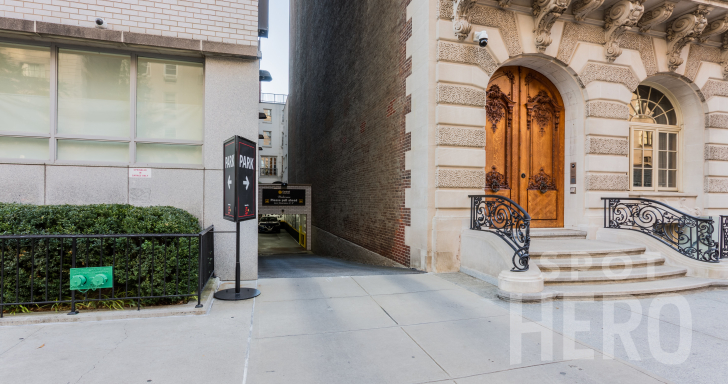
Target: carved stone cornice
column 545, row 13
column 724, row 56
column 582, row 7
column 715, row 27
column 684, row 30
column 657, row 15
column 461, row 18
column 504, row 3
column 620, row 18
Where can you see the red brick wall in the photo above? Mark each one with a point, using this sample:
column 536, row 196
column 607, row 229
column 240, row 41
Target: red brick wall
column 347, row 118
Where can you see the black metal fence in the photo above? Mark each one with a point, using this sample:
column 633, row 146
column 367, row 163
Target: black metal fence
column 506, row 219
column 154, row 268
column 691, row 236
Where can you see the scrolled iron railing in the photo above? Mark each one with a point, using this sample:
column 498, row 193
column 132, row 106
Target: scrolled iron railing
column 689, row 235
column 35, row 269
column 723, row 235
column 506, row 219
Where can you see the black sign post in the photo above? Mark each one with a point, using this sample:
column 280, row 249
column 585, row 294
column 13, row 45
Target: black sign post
column 240, row 191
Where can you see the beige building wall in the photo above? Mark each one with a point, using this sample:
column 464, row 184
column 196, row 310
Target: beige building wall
column 231, row 21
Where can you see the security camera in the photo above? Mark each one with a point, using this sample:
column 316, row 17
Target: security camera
column 481, row 37
column 101, row 23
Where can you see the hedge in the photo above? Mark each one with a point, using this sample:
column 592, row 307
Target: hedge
column 161, row 257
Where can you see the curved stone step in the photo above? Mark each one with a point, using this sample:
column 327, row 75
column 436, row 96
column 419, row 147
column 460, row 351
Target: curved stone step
column 600, row 276
column 615, row 291
column 560, row 233
column 586, row 263
column 580, row 248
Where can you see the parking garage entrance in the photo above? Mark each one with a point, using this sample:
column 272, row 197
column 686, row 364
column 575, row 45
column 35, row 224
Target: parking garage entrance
column 284, row 219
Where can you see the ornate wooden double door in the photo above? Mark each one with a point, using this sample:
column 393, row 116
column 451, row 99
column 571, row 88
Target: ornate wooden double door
column 525, row 143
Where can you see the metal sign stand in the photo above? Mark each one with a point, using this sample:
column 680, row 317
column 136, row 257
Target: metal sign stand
column 237, row 293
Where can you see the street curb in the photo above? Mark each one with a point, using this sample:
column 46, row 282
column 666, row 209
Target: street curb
column 102, row 315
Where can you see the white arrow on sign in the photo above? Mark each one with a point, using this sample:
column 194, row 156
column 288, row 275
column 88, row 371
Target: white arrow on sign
column 230, row 181
column 246, row 182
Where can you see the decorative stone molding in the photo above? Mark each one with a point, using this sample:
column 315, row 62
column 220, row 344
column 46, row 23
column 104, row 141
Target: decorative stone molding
column 504, row 20
column 620, row 18
column 573, row 33
column 582, row 7
column 453, row 94
column 606, row 182
column 610, row 73
column 684, row 30
column 716, row 185
column 724, row 56
column 461, row 137
column 461, row 18
column 697, row 54
column 655, row 16
column 607, row 110
column 715, row 88
column 606, row 146
column 545, row 13
column 716, row 152
column 460, row 178
column 715, row 27
column 468, row 54
column 644, row 45
column 716, row 120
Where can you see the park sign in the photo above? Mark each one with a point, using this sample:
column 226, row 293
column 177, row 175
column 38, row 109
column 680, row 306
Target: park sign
column 239, row 176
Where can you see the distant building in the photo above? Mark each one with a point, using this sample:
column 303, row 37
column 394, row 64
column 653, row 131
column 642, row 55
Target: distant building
column 273, row 139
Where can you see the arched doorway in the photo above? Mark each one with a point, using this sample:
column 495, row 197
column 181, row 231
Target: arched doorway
column 525, row 143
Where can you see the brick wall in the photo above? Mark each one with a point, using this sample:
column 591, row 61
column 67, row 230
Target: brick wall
column 347, row 118
column 232, row 21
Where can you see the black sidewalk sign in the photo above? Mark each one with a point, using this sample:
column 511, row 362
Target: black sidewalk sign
column 239, row 201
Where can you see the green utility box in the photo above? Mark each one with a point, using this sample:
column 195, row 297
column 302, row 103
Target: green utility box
column 83, row 279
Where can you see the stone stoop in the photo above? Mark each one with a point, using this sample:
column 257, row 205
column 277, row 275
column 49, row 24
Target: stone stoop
column 575, row 268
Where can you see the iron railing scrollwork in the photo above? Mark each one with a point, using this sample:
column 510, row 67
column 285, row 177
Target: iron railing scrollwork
column 506, row 219
column 689, row 235
column 723, row 250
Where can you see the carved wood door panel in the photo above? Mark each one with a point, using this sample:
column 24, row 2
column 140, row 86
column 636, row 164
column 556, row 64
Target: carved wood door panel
column 525, row 143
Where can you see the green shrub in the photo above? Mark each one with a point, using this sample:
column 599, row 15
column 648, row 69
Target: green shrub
column 150, row 266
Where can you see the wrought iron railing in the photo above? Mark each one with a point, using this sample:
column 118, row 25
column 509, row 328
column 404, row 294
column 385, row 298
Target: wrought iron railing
column 35, row 269
column 269, row 171
column 723, row 234
column 689, row 235
column 506, row 219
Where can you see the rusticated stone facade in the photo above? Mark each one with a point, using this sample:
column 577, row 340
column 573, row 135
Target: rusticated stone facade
column 347, row 119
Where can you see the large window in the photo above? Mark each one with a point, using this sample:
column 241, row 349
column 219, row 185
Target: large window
column 654, row 140
column 267, row 137
column 268, row 166
column 268, row 115
column 90, row 105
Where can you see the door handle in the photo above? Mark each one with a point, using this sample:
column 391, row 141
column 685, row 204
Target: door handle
column 523, row 175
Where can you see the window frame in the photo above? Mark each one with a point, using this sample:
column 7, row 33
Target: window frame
column 275, row 165
column 270, row 141
column 656, row 129
column 269, row 119
column 132, row 140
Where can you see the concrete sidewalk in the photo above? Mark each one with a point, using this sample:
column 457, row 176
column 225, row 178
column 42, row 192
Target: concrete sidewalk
column 408, row 328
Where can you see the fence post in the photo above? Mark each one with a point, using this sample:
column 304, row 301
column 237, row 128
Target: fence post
column 199, row 272
column 73, row 292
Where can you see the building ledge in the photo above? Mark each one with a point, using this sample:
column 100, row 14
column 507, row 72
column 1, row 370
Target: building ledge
column 20, row 27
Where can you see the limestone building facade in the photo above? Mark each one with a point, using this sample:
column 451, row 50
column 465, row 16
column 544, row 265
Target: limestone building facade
column 405, row 114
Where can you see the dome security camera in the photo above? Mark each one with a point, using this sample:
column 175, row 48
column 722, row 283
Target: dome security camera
column 481, row 37
column 101, row 23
